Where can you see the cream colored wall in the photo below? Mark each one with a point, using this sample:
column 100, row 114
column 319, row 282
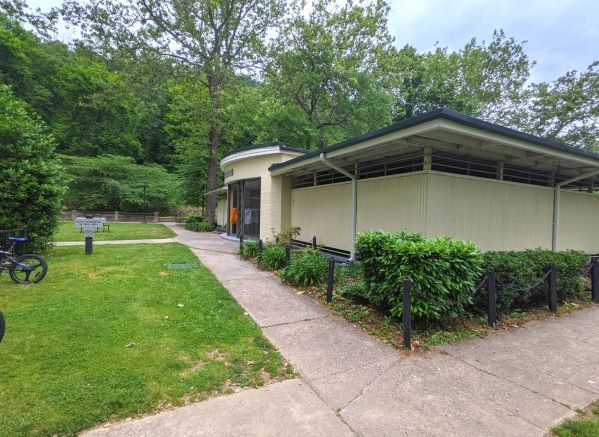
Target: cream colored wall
column 579, row 221
column 496, row 215
column 272, row 189
column 221, row 211
column 324, row 211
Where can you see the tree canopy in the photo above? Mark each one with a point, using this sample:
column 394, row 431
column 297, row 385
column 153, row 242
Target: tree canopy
column 31, row 179
column 172, row 86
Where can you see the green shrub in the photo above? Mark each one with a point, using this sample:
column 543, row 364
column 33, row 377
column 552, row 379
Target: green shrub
column 31, row 178
column 195, row 219
column 199, row 226
column 272, row 257
column 515, row 272
column 354, row 290
column 249, row 249
column 306, row 268
column 444, row 272
column 286, row 236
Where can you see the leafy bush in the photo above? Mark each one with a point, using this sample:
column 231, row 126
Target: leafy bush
column 117, row 183
column 31, row 179
column 194, row 219
column 249, row 249
column 306, row 268
column 444, row 272
column 272, row 257
column 284, row 237
column 199, row 226
column 515, row 272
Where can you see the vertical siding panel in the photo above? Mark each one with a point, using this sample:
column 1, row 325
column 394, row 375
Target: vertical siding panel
column 496, row 215
column 579, row 222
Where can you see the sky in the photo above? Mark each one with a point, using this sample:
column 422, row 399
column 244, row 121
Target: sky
column 561, row 35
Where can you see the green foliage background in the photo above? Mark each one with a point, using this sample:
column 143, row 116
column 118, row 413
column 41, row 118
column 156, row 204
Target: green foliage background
column 116, row 183
column 31, row 178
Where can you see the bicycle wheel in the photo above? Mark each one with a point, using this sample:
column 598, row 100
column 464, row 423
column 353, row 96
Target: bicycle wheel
column 29, row 269
column 2, row 326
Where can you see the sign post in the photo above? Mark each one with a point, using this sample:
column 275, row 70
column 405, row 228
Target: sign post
column 88, row 225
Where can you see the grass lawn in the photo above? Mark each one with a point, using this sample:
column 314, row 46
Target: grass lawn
column 117, row 333
column 118, row 231
column 585, row 424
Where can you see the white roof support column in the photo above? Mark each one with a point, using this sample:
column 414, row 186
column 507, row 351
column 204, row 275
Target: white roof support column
column 354, row 200
column 556, row 206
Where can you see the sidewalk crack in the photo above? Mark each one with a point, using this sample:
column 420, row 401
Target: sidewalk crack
column 309, row 319
column 371, row 382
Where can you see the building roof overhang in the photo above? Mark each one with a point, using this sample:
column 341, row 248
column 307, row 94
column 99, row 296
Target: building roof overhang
column 448, row 131
column 259, row 150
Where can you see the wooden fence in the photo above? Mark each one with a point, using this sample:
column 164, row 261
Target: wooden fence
column 118, row 216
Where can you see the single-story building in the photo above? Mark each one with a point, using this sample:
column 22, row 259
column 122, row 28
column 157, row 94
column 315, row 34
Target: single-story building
column 441, row 173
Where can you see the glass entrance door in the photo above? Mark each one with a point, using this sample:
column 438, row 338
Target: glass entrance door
column 244, row 208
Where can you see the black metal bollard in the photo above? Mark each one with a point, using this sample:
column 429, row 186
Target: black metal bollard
column 240, row 242
column 552, row 288
column 314, row 242
column 331, row 280
column 89, row 245
column 492, row 298
column 287, row 255
column 260, row 246
column 595, row 280
column 407, row 314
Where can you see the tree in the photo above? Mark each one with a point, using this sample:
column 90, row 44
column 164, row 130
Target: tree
column 31, row 179
column 323, row 70
column 216, row 38
column 565, row 110
column 482, row 79
column 110, row 182
column 89, row 109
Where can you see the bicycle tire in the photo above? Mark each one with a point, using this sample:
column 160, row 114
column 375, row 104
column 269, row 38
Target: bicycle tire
column 41, row 262
column 2, row 326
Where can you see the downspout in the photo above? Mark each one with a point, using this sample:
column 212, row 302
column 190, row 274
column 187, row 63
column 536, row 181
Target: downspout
column 556, row 205
column 354, row 201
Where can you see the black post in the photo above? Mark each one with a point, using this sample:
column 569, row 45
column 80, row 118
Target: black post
column 314, row 242
column 552, row 288
column 287, row 255
column 330, row 280
column 260, row 246
column 595, row 279
column 89, row 245
column 407, row 314
column 492, row 298
column 240, row 242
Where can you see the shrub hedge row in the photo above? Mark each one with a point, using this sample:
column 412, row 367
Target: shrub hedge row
column 516, row 271
column 444, row 272
column 197, row 223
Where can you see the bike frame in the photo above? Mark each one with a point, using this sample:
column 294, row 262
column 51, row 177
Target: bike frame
column 12, row 260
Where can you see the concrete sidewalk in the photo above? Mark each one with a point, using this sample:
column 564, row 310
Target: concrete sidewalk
column 513, row 383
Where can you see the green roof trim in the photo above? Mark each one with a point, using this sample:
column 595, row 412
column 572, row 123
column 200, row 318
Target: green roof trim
column 447, row 114
column 280, row 145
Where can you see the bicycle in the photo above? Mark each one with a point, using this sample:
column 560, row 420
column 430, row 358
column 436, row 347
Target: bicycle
column 24, row 269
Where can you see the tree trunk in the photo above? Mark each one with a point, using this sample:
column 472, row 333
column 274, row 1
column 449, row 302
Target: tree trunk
column 214, row 93
column 212, row 169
